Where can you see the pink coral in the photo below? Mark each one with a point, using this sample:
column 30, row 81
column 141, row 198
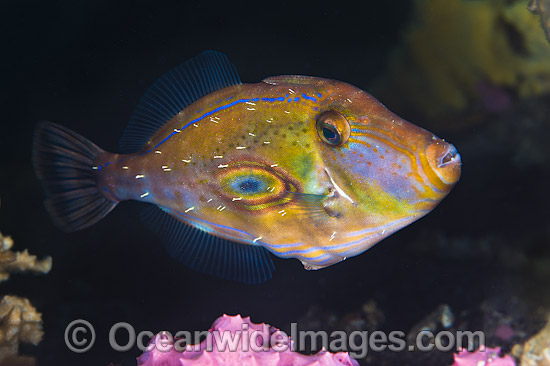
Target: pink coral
column 233, row 340
column 490, row 356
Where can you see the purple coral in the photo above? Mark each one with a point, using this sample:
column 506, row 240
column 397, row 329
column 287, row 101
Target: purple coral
column 490, row 356
column 233, row 340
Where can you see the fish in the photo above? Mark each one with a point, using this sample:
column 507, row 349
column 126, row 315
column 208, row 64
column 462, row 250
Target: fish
column 298, row 166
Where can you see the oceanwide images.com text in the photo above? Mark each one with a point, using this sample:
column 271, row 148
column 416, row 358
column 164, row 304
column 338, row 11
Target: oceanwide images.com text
column 80, row 337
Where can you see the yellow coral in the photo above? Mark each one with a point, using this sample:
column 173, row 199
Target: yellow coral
column 19, row 261
column 19, row 323
column 455, row 44
column 19, row 320
column 536, row 351
column 542, row 7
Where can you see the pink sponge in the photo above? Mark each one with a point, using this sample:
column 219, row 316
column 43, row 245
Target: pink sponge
column 233, row 340
column 490, row 357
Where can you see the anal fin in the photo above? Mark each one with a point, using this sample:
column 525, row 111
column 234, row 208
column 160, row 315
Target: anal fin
column 207, row 253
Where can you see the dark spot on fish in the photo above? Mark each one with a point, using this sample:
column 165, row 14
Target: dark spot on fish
column 283, row 135
column 307, row 146
column 304, row 130
column 255, row 141
column 275, row 132
column 290, row 127
column 369, row 163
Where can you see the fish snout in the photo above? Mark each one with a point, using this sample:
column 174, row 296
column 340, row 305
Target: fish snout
column 444, row 160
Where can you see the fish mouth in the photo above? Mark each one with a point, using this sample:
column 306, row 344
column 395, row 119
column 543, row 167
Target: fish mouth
column 336, row 193
column 444, row 160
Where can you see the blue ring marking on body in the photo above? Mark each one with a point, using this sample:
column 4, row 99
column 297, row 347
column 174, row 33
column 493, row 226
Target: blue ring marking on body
column 296, row 99
column 255, row 99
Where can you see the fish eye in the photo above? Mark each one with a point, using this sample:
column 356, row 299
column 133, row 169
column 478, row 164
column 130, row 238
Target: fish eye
column 333, row 128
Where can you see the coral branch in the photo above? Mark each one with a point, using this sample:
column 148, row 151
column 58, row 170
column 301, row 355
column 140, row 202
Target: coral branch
column 19, row 261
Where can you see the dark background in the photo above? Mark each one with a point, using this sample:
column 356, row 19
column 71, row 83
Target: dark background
column 86, row 64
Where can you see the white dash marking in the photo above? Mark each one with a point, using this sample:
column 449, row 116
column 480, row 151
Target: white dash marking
column 291, row 91
column 349, row 100
column 140, row 176
column 251, row 109
column 274, row 165
column 332, row 236
column 251, row 134
column 186, row 161
column 145, row 194
column 250, row 103
column 167, row 170
column 269, row 120
column 215, row 119
column 210, row 200
column 338, row 189
column 256, row 239
column 266, row 142
column 189, row 209
column 220, row 208
column 195, row 125
column 176, row 130
column 223, row 166
column 240, row 147
column 218, row 157
column 236, row 198
column 282, row 212
column 95, row 167
column 125, row 167
column 164, row 166
column 287, row 112
column 158, row 152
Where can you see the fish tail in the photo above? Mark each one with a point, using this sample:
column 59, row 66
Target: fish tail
column 63, row 161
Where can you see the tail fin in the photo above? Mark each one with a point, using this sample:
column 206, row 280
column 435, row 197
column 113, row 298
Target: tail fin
column 63, row 162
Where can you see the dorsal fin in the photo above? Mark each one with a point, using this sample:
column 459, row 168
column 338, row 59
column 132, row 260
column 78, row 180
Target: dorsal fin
column 175, row 90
